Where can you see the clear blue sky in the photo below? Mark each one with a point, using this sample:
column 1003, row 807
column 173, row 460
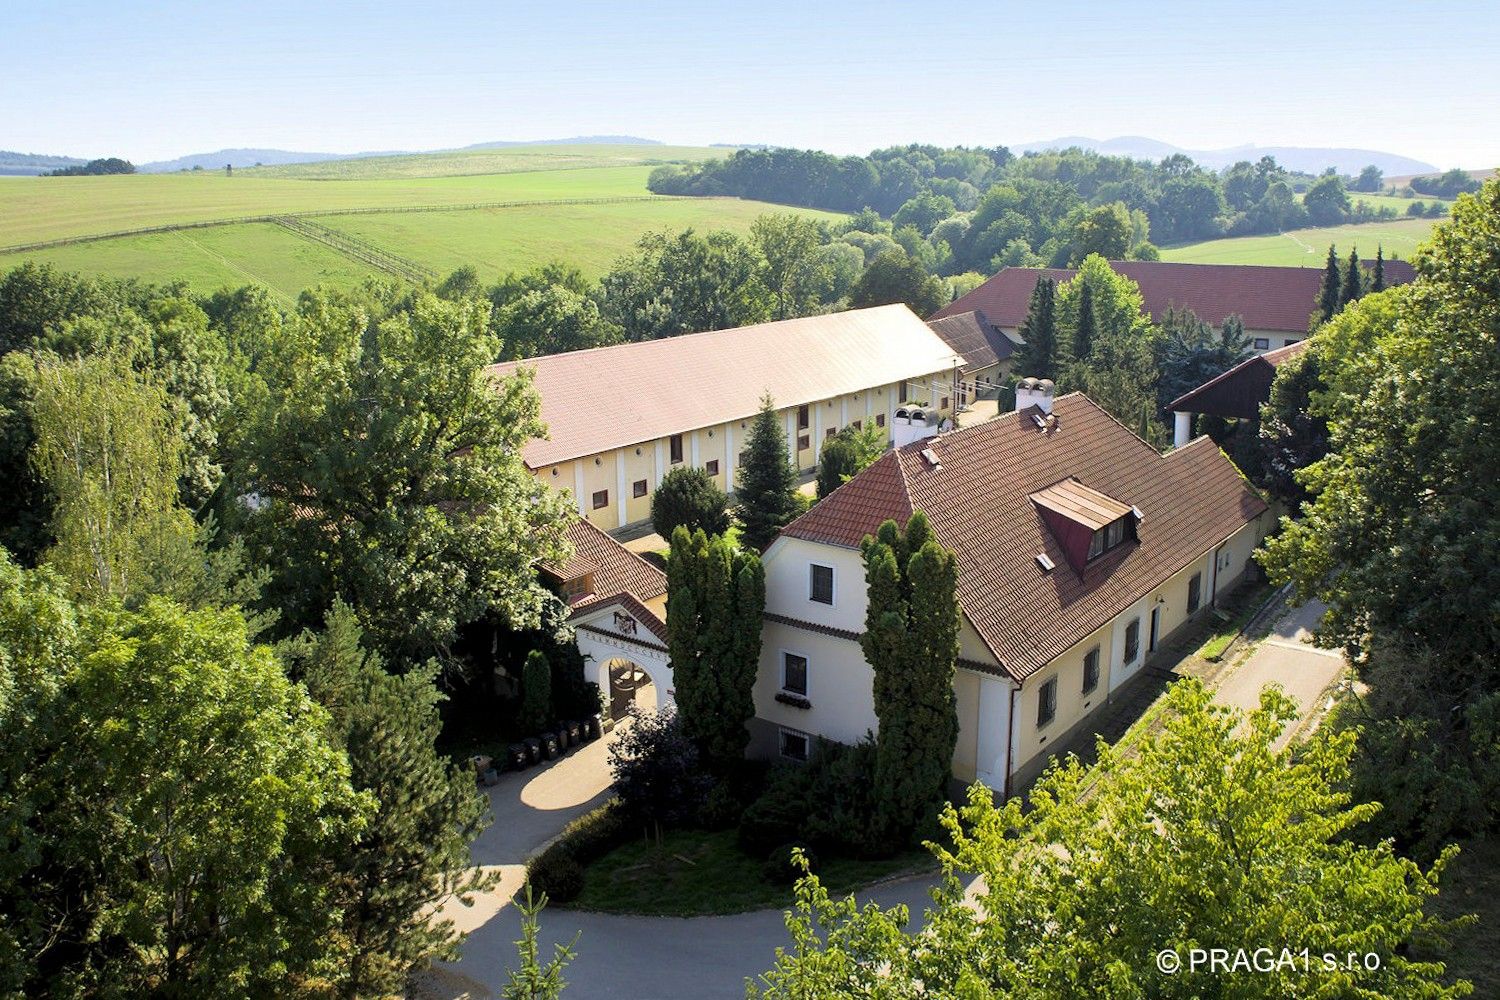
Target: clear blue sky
column 153, row 81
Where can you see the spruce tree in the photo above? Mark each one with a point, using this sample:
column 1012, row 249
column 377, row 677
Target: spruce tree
column 414, row 851
column 1353, row 286
column 1328, row 295
column 766, row 484
column 1377, row 281
column 1039, row 355
column 715, row 596
column 911, row 644
column 1083, row 336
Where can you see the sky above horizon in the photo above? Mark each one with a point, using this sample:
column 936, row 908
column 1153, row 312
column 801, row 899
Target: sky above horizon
column 173, row 78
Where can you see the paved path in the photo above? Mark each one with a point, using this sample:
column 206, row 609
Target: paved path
column 708, row 958
column 1286, row 657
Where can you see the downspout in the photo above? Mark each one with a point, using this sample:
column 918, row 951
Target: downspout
column 1213, row 590
column 1010, row 742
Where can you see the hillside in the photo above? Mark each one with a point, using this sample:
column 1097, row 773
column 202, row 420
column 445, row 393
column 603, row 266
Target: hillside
column 31, row 164
column 1303, row 159
column 1308, row 247
column 419, row 217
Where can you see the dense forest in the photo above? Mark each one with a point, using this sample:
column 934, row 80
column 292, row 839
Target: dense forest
column 982, row 209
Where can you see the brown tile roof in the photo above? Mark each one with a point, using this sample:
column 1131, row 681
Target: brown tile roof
column 971, row 335
column 1241, row 390
column 616, row 569
column 636, row 610
column 1266, row 298
column 609, row 397
column 1077, row 502
column 978, row 501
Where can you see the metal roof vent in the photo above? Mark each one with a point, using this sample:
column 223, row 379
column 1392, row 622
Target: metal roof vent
column 1139, row 517
column 931, row 458
column 1039, row 420
column 1044, row 562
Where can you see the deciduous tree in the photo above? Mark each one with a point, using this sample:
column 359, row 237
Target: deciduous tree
column 689, row 497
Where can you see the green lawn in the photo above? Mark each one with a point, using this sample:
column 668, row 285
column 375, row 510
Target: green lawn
column 1308, row 247
column 692, row 873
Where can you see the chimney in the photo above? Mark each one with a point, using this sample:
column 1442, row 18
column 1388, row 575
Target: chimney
column 1036, row 392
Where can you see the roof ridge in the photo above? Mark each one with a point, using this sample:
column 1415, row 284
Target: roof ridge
column 680, row 337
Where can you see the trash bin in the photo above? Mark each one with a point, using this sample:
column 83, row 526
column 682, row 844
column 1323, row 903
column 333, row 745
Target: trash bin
column 533, row 749
column 518, row 757
column 549, row 746
column 575, row 731
column 561, row 732
column 592, row 727
column 490, row 776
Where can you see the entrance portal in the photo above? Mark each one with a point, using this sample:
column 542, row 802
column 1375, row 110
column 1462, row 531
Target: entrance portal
column 628, row 685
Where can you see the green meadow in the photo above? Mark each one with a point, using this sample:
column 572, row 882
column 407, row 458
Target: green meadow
column 1308, row 247
column 498, row 210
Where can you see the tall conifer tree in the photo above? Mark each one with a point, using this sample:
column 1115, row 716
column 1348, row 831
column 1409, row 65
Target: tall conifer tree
column 1354, row 285
column 1377, row 281
column 911, row 643
column 766, row 484
column 1083, row 336
column 1039, row 356
column 1328, row 295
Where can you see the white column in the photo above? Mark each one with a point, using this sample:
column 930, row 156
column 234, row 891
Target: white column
column 729, row 457
column 660, row 461
column 817, row 432
column 992, row 749
column 578, row 486
column 694, row 449
column 620, row 516
column 791, row 436
column 1182, row 428
column 843, row 412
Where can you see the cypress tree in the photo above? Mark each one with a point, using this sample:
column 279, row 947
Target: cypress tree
column 1328, row 295
column 1083, row 337
column 837, row 461
column 1353, row 286
column 911, row 644
column 716, row 594
column 414, row 851
column 766, row 484
column 1377, row 283
column 1039, row 356
column 536, row 692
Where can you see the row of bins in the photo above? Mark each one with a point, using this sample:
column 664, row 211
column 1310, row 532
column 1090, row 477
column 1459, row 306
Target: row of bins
column 552, row 743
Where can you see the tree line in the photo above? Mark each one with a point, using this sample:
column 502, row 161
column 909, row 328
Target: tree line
column 983, row 209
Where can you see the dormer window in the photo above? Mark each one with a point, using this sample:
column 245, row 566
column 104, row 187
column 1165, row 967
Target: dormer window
column 1110, row 535
column 1084, row 522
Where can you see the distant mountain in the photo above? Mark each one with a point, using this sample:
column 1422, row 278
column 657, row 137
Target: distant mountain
column 276, row 157
column 1305, row 159
column 14, row 164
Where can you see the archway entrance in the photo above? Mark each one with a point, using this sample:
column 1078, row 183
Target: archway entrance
column 628, row 685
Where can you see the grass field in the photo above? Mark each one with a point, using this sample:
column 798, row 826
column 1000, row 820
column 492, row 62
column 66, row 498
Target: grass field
column 1308, row 247
column 504, row 160
column 532, row 228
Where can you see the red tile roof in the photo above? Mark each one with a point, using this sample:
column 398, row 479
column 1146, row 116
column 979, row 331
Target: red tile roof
column 610, row 397
column 973, row 336
column 978, row 500
column 1241, row 390
column 1266, row 298
column 616, row 569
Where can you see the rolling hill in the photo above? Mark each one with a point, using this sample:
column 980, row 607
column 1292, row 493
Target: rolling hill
column 1311, row 160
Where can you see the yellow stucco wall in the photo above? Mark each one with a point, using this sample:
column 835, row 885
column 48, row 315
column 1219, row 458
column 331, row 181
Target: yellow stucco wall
column 617, row 471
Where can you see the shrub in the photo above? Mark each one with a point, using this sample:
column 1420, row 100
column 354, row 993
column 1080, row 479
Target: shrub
column 722, row 808
column 656, row 769
column 780, row 813
column 688, row 496
column 595, row 833
column 782, row 868
column 830, row 802
column 557, row 873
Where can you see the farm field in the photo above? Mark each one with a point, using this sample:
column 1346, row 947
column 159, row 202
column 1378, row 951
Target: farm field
column 1307, row 247
column 501, row 160
column 494, row 241
column 583, row 205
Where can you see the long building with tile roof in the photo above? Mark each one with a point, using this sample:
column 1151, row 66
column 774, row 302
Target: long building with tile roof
column 1275, row 303
column 1080, row 547
column 619, row 418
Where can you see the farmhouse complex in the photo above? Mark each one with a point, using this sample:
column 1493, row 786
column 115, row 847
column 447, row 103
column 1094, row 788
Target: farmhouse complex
column 1275, row 303
column 620, row 417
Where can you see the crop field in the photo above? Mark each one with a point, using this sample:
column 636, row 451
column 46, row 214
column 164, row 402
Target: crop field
column 1308, row 247
column 502, row 160
column 288, row 230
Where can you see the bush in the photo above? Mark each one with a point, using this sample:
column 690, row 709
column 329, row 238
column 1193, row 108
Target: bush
column 557, row 873
column 780, row 813
column 829, row 801
column 595, row 833
column 688, row 496
column 656, row 769
column 722, row 808
column 782, row 868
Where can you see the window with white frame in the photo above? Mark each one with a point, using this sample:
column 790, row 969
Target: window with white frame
column 820, row 584
column 794, row 674
column 794, row 745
